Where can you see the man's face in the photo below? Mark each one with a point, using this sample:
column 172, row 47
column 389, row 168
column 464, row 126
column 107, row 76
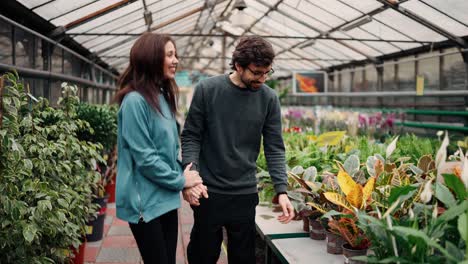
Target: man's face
column 254, row 76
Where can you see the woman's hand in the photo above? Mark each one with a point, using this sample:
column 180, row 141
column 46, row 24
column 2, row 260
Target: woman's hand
column 193, row 194
column 192, row 178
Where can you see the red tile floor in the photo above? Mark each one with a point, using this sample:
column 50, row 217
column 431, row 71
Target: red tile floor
column 119, row 246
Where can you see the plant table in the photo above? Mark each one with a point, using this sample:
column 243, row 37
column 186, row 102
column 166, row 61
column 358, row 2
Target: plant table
column 269, row 228
column 302, row 250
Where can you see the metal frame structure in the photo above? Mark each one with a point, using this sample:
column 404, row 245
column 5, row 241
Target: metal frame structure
column 340, row 35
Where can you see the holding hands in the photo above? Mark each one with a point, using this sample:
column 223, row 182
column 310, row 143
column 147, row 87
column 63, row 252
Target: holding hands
column 194, row 188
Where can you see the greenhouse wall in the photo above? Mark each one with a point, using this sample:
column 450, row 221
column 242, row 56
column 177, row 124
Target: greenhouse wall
column 50, row 64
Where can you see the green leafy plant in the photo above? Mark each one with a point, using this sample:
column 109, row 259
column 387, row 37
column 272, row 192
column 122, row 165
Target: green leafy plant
column 103, row 125
column 46, row 179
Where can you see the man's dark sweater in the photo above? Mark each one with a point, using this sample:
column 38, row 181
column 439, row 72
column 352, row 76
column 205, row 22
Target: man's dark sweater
column 223, row 132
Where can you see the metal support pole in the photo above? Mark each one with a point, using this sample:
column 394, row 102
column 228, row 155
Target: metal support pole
column 464, row 54
column 224, row 54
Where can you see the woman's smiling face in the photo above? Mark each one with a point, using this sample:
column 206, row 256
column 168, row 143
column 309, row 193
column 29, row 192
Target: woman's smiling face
column 170, row 60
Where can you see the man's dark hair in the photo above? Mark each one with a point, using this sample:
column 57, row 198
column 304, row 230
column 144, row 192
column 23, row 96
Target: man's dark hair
column 252, row 49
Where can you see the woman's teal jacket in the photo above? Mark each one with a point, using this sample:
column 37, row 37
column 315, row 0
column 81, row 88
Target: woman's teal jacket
column 149, row 174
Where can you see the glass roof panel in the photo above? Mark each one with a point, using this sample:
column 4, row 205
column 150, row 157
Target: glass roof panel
column 291, row 24
column 132, row 9
column 337, row 50
column 432, row 16
column 32, row 3
column 365, row 6
column 383, row 47
column 405, row 46
column 356, row 33
column 321, row 14
column 363, row 48
column 106, row 44
column 316, row 53
column 455, row 8
column 257, row 6
column 337, row 8
column 289, row 6
column 53, row 10
column 382, row 31
column 61, row 7
column 123, row 49
column 408, row 26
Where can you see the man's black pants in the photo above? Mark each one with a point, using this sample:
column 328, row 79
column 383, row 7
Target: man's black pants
column 157, row 239
column 237, row 214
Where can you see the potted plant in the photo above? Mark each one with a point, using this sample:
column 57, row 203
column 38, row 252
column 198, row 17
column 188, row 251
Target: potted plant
column 45, row 178
column 357, row 242
column 101, row 129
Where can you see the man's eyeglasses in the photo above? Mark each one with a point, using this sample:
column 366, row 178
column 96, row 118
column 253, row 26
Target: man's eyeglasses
column 259, row 74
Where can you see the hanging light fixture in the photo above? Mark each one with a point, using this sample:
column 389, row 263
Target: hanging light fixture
column 240, row 5
column 238, row 17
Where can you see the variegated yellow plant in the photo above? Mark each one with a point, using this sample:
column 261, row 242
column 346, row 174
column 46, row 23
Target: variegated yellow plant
column 354, row 195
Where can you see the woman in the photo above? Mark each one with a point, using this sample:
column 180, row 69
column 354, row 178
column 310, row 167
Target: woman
column 149, row 175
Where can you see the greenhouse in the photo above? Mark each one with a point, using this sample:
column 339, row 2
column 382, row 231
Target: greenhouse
column 170, row 131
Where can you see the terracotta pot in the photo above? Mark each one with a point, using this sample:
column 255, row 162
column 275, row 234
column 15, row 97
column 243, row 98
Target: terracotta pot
column 348, row 252
column 334, row 243
column 110, row 190
column 79, row 254
column 317, row 232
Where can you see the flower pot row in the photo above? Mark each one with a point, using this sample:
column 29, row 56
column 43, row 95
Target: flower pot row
column 335, row 243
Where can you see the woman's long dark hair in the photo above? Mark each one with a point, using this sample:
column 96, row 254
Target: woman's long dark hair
column 145, row 72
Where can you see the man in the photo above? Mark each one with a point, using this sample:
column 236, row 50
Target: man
column 228, row 116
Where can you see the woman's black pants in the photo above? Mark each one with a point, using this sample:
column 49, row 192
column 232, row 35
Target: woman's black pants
column 157, row 239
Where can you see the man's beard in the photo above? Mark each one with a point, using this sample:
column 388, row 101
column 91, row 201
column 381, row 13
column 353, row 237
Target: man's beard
column 248, row 84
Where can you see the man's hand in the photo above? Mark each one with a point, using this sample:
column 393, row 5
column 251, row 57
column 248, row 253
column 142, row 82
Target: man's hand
column 288, row 209
column 193, row 194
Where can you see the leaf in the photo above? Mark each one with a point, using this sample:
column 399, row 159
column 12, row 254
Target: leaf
column 29, row 232
column 299, row 180
column 330, row 138
column 28, row 164
column 378, row 168
column 355, row 196
column 310, row 174
column 391, row 147
column 407, row 231
column 404, row 191
column 368, row 189
column 337, row 199
column 454, row 250
column 462, row 226
column 443, row 194
column 452, row 212
column 416, row 170
column 442, row 152
column 454, row 183
column 351, row 164
column 298, row 170
column 313, row 186
column 425, row 163
column 370, row 165
column 321, row 209
column 345, row 182
column 44, row 204
column 396, row 179
column 63, row 202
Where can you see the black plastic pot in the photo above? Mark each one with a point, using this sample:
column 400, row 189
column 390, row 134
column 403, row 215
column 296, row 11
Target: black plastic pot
column 96, row 224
